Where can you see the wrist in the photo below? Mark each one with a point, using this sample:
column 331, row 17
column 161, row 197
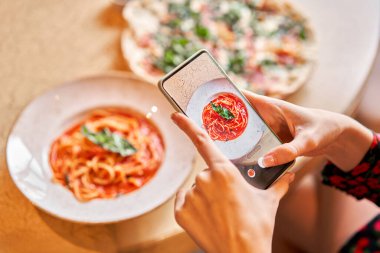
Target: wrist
column 351, row 144
column 252, row 242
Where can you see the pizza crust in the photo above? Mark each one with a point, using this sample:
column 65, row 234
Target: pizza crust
column 134, row 56
column 282, row 91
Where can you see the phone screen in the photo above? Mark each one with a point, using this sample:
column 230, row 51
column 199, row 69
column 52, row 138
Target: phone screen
column 201, row 90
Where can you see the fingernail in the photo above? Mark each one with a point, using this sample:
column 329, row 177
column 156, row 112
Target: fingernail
column 260, row 161
column 174, row 117
column 265, row 161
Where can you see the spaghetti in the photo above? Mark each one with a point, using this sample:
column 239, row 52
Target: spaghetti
column 90, row 171
column 225, row 127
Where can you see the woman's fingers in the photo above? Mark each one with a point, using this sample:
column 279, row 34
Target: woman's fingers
column 270, row 110
column 255, row 98
column 288, row 152
column 261, row 103
column 293, row 117
column 210, row 153
column 279, row 155
column 265, row 103
column 282, row 185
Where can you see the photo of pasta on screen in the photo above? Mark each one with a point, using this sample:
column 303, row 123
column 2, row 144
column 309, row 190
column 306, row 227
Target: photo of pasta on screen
column 225, row 117
column 221, row 110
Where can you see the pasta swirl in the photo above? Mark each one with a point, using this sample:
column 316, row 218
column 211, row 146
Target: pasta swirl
column 90, row 171
column 220, row 128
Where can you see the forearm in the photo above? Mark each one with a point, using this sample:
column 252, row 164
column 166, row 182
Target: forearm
column 351, row 146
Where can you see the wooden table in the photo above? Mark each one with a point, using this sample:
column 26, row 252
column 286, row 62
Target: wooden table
column 44, row 43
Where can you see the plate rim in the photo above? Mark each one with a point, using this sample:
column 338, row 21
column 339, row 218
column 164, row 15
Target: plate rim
column 105, row 74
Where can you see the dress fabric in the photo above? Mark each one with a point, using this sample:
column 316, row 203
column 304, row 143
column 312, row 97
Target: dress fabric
column 362, row 182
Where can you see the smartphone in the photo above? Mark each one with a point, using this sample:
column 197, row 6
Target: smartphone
column 201, row 89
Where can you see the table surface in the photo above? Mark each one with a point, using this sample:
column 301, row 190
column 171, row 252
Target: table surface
column 45, row 43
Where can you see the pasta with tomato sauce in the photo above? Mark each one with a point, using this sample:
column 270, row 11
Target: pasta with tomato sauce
column 225, row 117
column 112, row 152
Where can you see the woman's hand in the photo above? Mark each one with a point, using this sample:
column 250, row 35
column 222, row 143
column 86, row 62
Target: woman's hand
column 311, row 132
column 222, row 212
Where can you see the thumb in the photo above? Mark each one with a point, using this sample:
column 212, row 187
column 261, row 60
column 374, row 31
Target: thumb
column 287, row 152
column 282, row 185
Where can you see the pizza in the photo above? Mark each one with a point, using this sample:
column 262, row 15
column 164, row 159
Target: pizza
column 265, row 46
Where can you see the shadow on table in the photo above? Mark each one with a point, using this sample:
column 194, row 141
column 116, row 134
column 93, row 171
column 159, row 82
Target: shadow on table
column 180, row 243
column 111, row 18
column 93, row 237
column 101, row 238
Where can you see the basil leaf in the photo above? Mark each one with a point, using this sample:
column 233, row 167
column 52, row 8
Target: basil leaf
column 202, row 32
column 174, row 23
column 267, row 63
column 302, row 33
column 183, row 11
column 290, row 26
column 236, row 63
column 232, row 17
column 109, row 141
column 177, row 50
column 222, row 111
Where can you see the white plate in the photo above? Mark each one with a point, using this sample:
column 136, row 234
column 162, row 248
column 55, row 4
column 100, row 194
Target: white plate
column 239, row 147
column 51, row 113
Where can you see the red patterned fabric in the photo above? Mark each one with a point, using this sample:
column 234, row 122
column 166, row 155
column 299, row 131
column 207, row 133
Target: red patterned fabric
column 363, row 181
column 366, row 240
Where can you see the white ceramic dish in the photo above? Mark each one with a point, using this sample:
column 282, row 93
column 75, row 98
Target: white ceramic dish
column 239, row 147
column 52, row 112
